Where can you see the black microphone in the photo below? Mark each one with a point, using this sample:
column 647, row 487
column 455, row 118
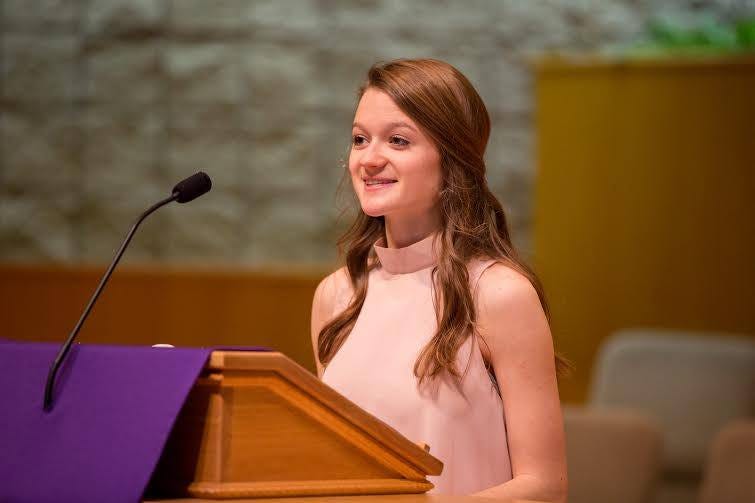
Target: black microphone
column 184, row 191
column 193, row 187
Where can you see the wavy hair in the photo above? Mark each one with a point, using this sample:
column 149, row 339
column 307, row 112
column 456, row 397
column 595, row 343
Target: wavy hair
column 446, row 106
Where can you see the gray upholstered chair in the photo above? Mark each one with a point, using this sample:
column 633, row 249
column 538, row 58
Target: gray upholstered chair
column 730, row 468
column 692, row 383
column 612, row 455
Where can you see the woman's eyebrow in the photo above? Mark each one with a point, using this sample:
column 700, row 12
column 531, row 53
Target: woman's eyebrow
column 390, row 125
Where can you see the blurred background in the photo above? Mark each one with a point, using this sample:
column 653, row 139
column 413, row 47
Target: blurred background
column 623, row 149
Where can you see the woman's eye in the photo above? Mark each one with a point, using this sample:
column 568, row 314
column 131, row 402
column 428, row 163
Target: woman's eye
column 358, row 140
column 399, row 141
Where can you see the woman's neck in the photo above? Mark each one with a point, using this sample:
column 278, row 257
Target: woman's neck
column 402, row 232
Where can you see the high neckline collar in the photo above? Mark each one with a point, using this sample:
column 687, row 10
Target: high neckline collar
column 414, row 257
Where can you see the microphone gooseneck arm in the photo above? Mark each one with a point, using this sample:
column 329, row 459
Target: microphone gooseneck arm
column 66, row 348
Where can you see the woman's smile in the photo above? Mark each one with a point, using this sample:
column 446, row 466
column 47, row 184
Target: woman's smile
column 373, row 184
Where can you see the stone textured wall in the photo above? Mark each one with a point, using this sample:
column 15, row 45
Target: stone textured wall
column 106, row 103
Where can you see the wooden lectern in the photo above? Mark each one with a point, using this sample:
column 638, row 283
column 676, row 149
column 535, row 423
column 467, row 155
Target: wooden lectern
column 256, row 424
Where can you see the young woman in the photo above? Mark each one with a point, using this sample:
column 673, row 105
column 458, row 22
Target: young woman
column 434, row 325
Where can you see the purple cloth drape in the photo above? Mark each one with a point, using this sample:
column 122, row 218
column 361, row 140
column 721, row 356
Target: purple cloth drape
column 114, row 409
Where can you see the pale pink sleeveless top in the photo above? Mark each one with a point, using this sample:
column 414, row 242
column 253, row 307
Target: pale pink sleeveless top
column 375, row 369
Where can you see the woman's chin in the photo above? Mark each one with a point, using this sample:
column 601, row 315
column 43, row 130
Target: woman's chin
column 373, row 212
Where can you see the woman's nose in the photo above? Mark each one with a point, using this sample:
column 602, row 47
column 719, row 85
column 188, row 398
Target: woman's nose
column 372, row 157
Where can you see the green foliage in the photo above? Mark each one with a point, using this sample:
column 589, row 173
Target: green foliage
column 707, row 37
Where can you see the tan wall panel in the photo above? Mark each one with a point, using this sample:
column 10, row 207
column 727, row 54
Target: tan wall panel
column 645, row 213
column 147, row 305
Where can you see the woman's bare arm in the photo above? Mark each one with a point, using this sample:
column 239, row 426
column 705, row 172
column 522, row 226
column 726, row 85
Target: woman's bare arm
column 322, row 307
column 514, row 326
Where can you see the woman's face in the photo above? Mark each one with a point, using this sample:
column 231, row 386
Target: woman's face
column 394, row 166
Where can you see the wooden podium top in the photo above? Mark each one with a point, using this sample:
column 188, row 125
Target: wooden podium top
column 224, row 361
column 390, row 498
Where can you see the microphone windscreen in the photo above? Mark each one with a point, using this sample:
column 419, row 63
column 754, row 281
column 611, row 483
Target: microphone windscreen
column 192, row 187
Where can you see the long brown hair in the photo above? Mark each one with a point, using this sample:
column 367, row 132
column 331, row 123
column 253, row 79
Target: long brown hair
column 446, row 106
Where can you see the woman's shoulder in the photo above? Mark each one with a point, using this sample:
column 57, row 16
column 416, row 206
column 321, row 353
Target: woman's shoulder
column 337, row 280
column 499, row 292
column 332, row 289
column 498, row 282
column 327, row 299
column 509, row 311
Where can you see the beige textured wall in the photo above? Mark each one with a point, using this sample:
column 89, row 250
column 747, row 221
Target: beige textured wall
column 106, row 103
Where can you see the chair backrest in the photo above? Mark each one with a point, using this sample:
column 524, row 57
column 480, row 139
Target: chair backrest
column 692, row 384
column 612, row 455
column 730, row 470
